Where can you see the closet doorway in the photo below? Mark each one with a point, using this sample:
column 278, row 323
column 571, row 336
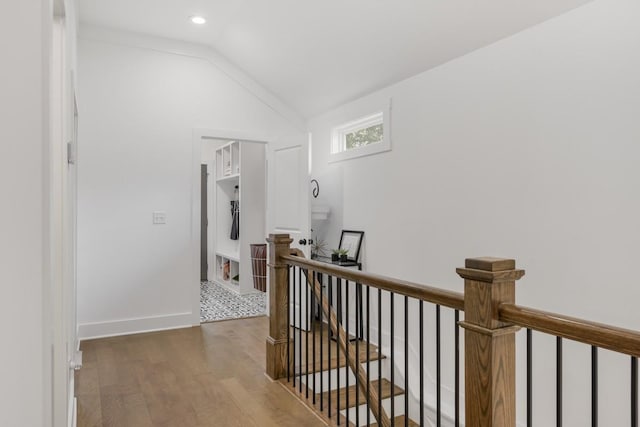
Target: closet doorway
column 232, row 218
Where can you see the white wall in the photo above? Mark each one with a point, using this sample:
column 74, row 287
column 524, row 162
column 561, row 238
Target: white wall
column 527, row 148
column 141, row 100
column 25, row 29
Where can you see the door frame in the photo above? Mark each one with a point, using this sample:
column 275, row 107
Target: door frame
column 200, row 134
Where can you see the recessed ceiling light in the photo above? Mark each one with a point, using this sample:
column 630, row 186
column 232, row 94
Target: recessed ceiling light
column 198, row 20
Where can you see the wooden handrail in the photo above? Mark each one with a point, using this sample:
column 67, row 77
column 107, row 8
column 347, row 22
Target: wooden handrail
column 431, row 294
column 610, row 337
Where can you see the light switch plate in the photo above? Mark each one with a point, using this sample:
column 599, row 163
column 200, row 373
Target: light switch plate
column 159, row 217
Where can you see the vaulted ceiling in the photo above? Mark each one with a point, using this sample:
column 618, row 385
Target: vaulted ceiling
column 315, row 55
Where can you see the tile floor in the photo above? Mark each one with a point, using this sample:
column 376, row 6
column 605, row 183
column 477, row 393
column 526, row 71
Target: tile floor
column 219, row 303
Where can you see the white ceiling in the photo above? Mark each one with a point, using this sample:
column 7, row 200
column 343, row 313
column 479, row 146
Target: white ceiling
column 316, row 55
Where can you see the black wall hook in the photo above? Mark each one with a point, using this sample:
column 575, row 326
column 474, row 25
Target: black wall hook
column 316, row 188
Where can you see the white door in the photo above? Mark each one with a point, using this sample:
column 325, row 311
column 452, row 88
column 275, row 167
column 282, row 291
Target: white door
column 288, row 206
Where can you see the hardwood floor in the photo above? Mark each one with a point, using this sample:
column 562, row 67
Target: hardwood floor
column 211, row 375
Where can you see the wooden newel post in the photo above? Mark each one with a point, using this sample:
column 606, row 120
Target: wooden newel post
column 279, row 244
column 490, row 376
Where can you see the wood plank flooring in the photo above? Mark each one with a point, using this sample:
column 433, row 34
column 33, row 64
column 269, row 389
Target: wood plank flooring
column 211, row 375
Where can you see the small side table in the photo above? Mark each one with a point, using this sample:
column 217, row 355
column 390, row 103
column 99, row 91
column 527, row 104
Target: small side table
column 339, row 302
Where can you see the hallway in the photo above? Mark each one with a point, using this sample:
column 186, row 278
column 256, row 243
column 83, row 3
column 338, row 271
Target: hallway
column 211, row 375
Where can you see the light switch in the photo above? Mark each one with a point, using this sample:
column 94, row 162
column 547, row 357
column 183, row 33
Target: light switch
column 159, row 217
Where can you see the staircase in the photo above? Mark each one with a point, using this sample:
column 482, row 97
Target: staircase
column 331, row 389
column 484, row 396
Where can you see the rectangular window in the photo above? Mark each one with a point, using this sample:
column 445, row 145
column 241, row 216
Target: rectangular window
column 361, row 137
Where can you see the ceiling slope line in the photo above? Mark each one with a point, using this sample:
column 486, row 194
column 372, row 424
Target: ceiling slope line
column 192, row 50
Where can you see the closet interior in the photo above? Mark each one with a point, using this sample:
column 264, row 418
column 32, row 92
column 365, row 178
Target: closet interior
column 235, row 210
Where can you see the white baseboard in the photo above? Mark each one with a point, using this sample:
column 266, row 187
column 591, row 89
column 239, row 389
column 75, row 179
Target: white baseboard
column 73, row 412
column 134, row 326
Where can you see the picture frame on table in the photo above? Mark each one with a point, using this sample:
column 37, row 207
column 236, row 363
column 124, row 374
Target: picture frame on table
column 351, row 241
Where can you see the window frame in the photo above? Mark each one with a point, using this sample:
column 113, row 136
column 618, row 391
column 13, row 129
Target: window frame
column 338, row 150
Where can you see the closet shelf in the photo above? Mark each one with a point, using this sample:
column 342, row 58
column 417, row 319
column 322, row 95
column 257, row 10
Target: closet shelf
column 229, row 255
column 234, row 176
column 229, row 282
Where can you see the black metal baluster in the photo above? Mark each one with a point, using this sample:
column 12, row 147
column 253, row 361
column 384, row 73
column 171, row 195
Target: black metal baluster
column 558, row 382
column 300, row 329
column 406, row 361
column 358, row 326
column 292, row 305
column 438, row 376
column 339, row 320
column 368, row 357
column 456, row 328
column 329, row 332
column 421, row 315
column 393, row 364
column 346, row 350
column 339, row 301
column 634, row 391
column 289, row 324
column 594, row 386
column 307, row 319
column 359, row 296
column 379, row 351
column 529, row 378
column 321, row 344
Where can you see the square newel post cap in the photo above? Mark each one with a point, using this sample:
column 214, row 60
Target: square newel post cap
column 279, row 239
column 490, row 270
column 279, row 245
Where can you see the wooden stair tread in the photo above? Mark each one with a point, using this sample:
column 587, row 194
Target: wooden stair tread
column 399, row 422
column 329, row 359
column 324, row 413
column 308, row 343
column 333, row 362
column 386, row 392
column 317, row 329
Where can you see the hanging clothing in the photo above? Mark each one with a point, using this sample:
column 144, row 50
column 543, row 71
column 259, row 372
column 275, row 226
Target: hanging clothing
column 235, row 220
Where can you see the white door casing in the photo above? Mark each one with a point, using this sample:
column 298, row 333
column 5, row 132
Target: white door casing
column 63, row 227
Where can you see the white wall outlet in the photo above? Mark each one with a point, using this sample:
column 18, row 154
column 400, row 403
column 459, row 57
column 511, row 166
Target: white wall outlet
column 159, row 217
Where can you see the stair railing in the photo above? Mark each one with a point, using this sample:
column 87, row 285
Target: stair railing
column 491, row 321
column 343, row 341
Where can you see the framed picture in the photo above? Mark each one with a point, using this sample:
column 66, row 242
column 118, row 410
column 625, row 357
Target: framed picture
column 351, row 241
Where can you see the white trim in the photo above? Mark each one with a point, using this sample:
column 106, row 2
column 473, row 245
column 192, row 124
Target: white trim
column 134, row 326
column 337, row 150
column 126, row 38
column 232, row 135
column 73, row 410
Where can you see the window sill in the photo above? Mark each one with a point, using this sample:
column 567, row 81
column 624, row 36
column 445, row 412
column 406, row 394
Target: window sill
column 354, row 153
